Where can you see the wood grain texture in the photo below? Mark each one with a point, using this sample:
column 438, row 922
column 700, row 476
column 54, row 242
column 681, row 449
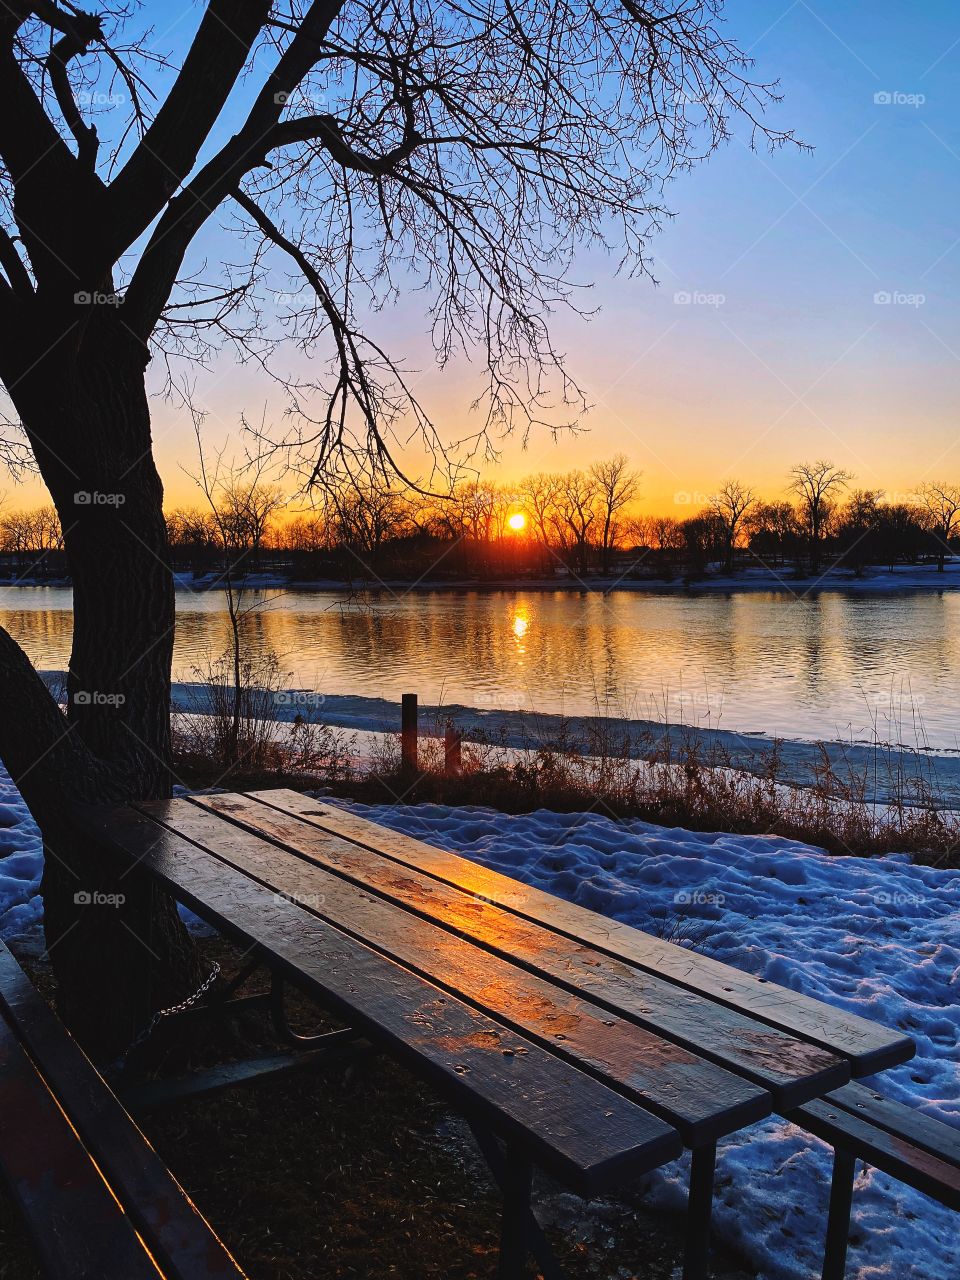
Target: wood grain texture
column 934, row 1136
column 869, row 1046
column 885, row 1151
column 79, row 1229
column 791, row 1069
column 702, row 1100
column 574, row 1126
column 176, row 1233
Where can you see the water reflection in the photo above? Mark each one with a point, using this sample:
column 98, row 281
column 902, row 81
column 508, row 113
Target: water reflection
column 757, row 662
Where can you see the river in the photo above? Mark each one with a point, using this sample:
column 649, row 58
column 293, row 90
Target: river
column 830, row 665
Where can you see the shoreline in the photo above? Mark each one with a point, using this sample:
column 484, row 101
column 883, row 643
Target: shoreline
column 870, row 582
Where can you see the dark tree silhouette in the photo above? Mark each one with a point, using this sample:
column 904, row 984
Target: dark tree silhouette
column 466, row 148
column 816, row 485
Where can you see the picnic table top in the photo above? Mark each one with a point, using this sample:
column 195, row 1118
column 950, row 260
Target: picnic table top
column 528, row 1004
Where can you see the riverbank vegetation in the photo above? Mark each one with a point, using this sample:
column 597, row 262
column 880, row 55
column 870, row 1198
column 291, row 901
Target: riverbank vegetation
column 672, row 778
column 579, row 523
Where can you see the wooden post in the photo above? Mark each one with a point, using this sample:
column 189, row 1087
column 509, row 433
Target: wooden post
column 452, row 756
column 408, row 731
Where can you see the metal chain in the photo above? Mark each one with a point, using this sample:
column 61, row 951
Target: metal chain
column 182, row 1007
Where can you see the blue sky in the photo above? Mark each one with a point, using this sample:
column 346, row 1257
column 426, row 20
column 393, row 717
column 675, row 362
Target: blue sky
column 783, row 352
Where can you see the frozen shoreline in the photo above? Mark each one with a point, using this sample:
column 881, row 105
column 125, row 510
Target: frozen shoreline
column 873, row 581
column 745, row 751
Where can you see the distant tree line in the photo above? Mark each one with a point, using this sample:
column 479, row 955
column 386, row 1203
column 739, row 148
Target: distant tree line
column 578, row 522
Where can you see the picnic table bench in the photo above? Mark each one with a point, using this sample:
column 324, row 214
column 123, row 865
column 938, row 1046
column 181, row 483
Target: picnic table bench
column 99, row 1201
column 569, row 1041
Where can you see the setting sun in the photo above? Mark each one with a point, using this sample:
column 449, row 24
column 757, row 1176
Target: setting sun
column 517, row 521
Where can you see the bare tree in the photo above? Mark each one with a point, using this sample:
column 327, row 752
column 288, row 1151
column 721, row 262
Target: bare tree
column 730, row 505
column 365, row 142
column 941, row 502
column 575, row 514
column 617, row 486
column 816, row 485
column 245, row 508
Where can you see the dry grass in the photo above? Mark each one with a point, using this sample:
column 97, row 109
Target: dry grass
column 675, row 781
column 669, row 777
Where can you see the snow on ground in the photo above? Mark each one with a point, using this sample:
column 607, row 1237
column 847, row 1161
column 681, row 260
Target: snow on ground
column 878, row 937
column 20, row 865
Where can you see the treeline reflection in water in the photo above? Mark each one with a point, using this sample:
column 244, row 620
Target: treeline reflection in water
column 754, row 661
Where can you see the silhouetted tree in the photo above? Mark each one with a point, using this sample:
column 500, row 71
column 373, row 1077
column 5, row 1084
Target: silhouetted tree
column 368, row 145
column 730, row 505
column 816, row 485
column 617, row 485
column 941, row 502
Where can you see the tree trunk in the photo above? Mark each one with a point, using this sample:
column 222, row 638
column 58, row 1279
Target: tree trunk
column 115, row 940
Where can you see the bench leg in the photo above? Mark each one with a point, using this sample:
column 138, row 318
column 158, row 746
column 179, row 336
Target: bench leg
column 703, row 1161
column 838, row 1220
column 521, row 1234
column 517, row 1178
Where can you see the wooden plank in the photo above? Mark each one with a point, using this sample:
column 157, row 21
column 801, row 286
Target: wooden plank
column 869, row 1046
column 175, row 1231
column 78, row 1227
column 791, row 1069
column 885, row 1151
column 577, row 1128
column 933, row 1136
column 703, row 1101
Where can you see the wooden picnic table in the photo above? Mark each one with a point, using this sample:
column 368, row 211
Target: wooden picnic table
column 581, row 1044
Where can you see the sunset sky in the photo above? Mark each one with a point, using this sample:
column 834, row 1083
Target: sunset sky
column 794, row 359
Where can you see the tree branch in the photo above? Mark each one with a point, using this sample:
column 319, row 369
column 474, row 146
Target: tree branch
column 185, row 214
column 168, row 150
column 50, row 765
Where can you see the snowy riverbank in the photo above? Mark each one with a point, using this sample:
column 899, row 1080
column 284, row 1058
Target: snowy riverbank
column 872, row 580
column 888, row 770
